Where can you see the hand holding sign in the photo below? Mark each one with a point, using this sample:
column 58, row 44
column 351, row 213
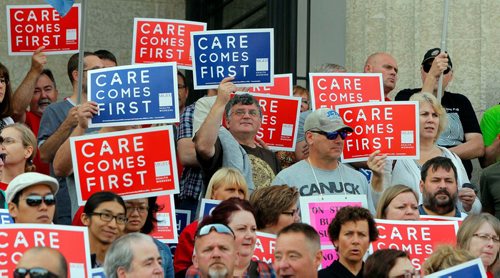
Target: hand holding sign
column 38, row 60
column 72, row 117
column 85, row 112
column 376, row 163
column 225, row 89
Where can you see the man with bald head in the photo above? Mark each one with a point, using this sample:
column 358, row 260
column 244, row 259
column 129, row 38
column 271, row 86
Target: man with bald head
column 40, row 260
column 384, row 63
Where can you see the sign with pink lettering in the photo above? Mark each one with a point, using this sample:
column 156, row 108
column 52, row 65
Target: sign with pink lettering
column 319, row 211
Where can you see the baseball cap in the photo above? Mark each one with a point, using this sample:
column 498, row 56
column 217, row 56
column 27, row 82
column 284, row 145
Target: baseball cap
column 432, row 53
column 325, row 119
column 26, row 180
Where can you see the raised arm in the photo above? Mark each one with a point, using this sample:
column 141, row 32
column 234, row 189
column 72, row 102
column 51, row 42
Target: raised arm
column 206, row 136
column 50, row 146
column 23, row 94
column 62, row 160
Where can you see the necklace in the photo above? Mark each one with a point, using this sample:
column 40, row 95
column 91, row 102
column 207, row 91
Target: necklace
column 339, row 165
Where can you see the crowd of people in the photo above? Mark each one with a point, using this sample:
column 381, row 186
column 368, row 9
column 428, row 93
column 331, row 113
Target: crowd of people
column 259, row 189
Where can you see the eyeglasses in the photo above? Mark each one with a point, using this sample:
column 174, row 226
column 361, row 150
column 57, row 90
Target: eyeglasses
column 487, row 237
column 427, row 67
column 219, row 228
column 108, row 217
column 7, row 140
column 141, row 209
column 36, row 200
column 3, row 156
column 240, row 113
column 408, row 274
column 4, row 81
column 331, row 135
column 291, row 213
column 36, row 272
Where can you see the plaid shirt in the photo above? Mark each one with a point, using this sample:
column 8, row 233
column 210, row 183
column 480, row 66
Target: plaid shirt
column 264, row 270
column 191, row 181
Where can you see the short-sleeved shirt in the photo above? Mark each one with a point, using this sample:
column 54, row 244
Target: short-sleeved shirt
column 461, row 120
column 265, row 165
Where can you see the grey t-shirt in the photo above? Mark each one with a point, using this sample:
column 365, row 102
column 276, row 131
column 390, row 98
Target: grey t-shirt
column 342, row 180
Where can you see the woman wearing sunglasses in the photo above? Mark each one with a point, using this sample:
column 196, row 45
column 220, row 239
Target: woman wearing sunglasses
column 31, row 198
column 432, row 119
column 239, row 215
column 19, row 145
column 141, row 219
column 105, row 216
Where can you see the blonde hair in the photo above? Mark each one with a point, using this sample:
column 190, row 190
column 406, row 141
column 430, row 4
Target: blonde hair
column 29, row 140
column 223, row 176
column 389, row 195
column 445, row 256
column 424, row 97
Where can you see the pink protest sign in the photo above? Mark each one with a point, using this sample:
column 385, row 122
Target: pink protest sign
column 332, row 89
column 391, row 127
column 319, row 213
column 329, row 255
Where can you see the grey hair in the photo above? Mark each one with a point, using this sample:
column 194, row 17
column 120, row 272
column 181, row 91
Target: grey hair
column 243, row 99
column 327, row 67
column 120, row 253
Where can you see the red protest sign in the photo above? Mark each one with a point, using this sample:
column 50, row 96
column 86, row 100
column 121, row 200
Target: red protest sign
column 331, row 89
column 32, row 26
column 264, row 247
column 135, row 163
column 418, row 238
column 164, row 40
column 165, row 230
column 391, row 127
column 72, row 242
column 283, row 86
column 279, row 121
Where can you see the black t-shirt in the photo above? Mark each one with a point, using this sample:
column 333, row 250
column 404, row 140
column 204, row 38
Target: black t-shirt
column 265, row 164
column 337, row 270
column 461, row 120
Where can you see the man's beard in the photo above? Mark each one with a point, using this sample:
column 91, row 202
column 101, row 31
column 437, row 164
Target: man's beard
column 440, row 207
column 217, row 272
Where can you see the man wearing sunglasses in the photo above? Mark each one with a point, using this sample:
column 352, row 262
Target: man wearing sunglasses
column 322, row 173
column 31, row 198
column 42, row 262
column 214, row 251
column 463, row 134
